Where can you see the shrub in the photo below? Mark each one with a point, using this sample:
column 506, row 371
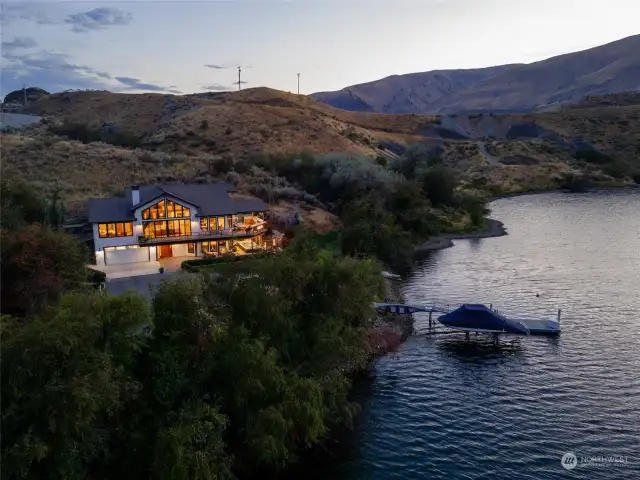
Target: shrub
column 439, row 184
column 382, row 161
column 194, row 265
column 95, row 276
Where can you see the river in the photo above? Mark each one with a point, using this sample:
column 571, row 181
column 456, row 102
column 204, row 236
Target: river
column 439, row 409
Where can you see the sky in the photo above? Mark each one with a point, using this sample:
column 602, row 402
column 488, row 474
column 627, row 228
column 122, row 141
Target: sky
column 193, row 47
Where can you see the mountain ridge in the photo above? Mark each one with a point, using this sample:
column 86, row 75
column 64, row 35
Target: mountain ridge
column 513, row 88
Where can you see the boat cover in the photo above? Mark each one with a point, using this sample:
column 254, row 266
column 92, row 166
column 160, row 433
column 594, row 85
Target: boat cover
column 471, row 316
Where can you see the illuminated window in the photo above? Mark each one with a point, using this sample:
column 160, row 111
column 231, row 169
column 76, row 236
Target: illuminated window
column 111, row 230
column 204, row 224
column 165, row 209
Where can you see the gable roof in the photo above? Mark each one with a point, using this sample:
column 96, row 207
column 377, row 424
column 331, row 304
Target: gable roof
column 210, row 200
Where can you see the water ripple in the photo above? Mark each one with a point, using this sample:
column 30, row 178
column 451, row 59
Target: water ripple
column 439, row 409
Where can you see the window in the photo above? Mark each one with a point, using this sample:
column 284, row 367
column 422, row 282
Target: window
column 204, row 224
column 111, row 230
column 191, row 247
column 165, row 209
column 169, row 228
column 220, row 223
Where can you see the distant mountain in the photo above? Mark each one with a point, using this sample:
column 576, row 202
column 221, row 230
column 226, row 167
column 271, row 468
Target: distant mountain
column 516, row 88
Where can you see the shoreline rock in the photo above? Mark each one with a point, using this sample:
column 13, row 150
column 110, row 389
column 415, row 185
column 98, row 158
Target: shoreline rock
column 495, row 228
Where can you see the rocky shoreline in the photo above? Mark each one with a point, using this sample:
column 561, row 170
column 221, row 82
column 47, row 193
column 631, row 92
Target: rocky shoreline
column 494, row 228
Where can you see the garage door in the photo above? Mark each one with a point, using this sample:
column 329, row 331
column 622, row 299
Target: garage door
column 132, row 254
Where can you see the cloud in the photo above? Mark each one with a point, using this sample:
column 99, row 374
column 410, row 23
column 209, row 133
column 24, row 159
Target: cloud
column 137, row 84
column 81, row 22
column 216, row 87
column 52, row 71
column 18, row 43
column 97, row 19
column 55, row 72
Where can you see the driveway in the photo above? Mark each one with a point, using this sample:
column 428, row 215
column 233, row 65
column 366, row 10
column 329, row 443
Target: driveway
column 142, row 284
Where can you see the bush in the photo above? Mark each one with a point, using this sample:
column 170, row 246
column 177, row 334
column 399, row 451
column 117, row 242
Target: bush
column 38, row 265
column 86, row 134
column 593, row 156
column 439, row 184
column 194, row 265
column 382, row 161
column 95, row 276
column 575, row 183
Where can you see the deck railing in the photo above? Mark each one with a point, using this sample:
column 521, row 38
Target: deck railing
column 205, row 235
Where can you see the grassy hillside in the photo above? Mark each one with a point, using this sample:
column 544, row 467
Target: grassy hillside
column 194, row 138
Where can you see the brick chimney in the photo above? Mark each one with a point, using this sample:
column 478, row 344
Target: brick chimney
column 135, row 194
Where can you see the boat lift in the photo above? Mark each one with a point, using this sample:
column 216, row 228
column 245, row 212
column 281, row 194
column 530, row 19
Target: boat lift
column 533, row 326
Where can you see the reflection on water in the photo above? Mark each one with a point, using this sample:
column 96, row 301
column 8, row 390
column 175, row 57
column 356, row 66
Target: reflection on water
column 441, row 409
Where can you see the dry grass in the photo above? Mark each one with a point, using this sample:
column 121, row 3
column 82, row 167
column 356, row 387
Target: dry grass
column 186, row 136
column 82, row 171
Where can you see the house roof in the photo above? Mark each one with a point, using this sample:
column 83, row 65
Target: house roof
column 209, row 199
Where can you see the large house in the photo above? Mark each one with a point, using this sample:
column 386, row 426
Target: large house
column 150, row 223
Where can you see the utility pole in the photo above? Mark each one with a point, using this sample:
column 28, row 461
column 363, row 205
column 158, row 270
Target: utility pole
column 24, row 94
column 239, row 81
column 298, row 84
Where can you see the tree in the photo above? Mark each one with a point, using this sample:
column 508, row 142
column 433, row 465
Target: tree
column 20, row 204
column 67, row 381
column 38, row 265
column 439, row 184
column 371, row 230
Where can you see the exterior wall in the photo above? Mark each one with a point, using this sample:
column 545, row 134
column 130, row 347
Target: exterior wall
column 181, row 250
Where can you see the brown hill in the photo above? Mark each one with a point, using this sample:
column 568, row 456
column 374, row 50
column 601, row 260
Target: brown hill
column 610, row 68
column 192, row 138
column 410, row 93
column 253, row 120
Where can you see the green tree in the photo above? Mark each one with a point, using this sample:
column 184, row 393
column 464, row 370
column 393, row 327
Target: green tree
column 19, row 205
column 371, row 230
column 66, row 381
column 439, row 184
column 38, row 265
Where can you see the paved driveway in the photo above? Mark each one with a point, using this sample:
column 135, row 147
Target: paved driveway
column 142, row 284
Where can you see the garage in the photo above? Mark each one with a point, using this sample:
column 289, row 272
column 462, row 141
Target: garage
column 129, row 254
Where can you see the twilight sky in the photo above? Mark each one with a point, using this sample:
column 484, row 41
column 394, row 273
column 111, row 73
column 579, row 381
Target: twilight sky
column 163, row 46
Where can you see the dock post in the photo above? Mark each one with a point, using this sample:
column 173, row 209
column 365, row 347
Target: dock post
column 491, row 306
column 430, row 313
column 559, row 312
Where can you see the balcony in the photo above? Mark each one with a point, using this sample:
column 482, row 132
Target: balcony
column 239, row 232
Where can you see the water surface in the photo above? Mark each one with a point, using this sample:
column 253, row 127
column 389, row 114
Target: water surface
column 438, row 409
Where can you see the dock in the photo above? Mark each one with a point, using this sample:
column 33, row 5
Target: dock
column 550, row 326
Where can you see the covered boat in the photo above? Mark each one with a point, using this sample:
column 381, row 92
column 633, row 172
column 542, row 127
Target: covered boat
column 480, row 318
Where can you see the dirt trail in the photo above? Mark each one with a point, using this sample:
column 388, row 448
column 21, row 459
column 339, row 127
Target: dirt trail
column 491, row 160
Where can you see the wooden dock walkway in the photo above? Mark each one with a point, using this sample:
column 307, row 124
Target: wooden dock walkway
column 535, row 326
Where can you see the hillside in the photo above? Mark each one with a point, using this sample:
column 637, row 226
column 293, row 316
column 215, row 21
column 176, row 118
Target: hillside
column 198, row 138
column 410, row 93
column 551, row 83
column 32, row 93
